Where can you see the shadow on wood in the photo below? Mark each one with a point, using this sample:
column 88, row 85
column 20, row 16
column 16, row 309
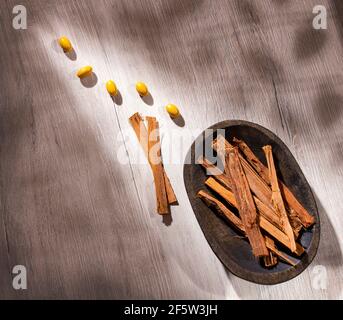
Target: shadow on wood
column 329, row 107
column 309, row 42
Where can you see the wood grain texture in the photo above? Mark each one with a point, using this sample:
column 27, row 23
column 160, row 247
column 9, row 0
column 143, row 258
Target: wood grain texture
column 82, row 222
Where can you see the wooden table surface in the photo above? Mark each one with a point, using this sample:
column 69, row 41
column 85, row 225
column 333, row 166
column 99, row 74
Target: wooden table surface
column 78, row 208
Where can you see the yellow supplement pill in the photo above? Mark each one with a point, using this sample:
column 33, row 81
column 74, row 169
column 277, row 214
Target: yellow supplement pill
column 84, row 72
column 142, row 89
column 111, row 88
column 65, row 44
column 173, row 110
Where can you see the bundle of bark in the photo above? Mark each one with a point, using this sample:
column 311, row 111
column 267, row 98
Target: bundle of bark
column 269, row 215
column 149, row 138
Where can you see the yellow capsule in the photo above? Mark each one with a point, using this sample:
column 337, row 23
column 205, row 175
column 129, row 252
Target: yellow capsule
column 142, row 89
column 173, row 110
column 84, row 72
column 111, row 88
column 65, row 44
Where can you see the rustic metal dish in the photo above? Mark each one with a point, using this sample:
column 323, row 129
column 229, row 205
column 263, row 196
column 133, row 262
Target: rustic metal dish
column 233, row 251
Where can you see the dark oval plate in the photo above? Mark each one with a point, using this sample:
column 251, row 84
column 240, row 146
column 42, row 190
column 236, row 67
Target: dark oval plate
column 233, row 251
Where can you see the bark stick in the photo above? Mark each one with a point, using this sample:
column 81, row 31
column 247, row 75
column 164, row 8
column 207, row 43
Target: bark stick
column 155, row 161
column 222, row 209
column 215, row 172
column 211, row 201
column 257, row 185
column 277, row 197
column 252, row 159
column 246, row 205
column 228, row 195
column 264, row 222
column 271, row 246
column 141, row 131
column 271, row 260
column 292, row 202
column 266, row 211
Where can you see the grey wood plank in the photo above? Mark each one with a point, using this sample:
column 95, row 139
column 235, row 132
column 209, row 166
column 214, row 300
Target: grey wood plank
column 83, row 223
